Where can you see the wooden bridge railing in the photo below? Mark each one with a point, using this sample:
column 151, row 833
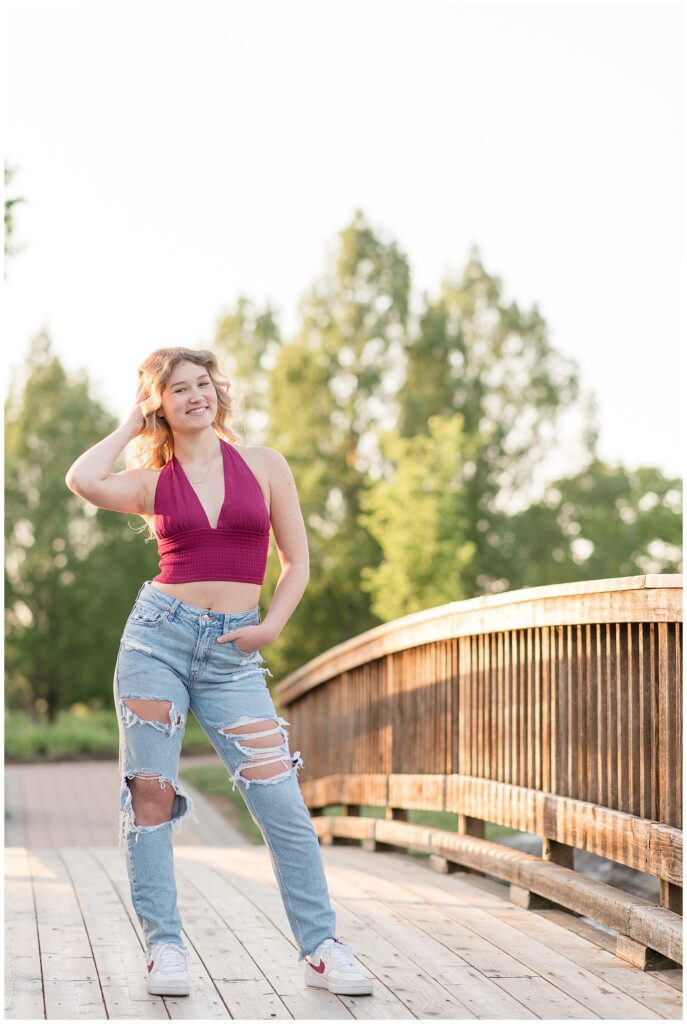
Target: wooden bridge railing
column 552, row 710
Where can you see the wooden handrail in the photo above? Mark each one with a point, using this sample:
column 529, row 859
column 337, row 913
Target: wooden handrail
column 553, row 710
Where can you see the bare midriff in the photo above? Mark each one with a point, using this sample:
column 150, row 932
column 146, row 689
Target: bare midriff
column 214, row 595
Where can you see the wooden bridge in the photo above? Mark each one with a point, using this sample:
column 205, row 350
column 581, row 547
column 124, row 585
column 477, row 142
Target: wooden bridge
column 556, row 711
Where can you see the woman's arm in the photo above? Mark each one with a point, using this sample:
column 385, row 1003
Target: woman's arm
column 292, row 545
column 91, row 476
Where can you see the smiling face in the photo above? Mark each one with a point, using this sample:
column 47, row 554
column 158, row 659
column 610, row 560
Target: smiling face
column 189, row 400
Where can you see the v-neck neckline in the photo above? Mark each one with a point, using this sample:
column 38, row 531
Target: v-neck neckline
column 195, row 493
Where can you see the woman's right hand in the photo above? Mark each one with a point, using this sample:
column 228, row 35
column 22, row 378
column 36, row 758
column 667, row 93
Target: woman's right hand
column 136, row 417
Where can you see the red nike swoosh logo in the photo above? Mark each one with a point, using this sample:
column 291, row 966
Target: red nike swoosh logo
column 150, row 966
column 319, row 968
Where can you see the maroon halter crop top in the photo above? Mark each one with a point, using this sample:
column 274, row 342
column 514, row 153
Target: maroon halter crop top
column 189, row 548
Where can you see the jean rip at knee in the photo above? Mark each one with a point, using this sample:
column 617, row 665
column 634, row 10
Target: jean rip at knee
column 150, row 717
column 182, row 813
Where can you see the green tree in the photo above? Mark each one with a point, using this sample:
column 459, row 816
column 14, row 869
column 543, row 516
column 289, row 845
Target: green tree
column 71, row 570
column 493, row 363
column 329, row 388
column 602, row 522
column 248, row 341
column 418, row 519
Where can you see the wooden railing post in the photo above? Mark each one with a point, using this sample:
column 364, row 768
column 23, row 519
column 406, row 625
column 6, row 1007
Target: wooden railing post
column 396, row 814
column 555, row 853
column 558, row 853
column 670, row 896
column 467, row 826
column 347, row 811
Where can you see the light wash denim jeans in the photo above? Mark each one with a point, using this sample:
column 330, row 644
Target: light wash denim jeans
column 169, row 652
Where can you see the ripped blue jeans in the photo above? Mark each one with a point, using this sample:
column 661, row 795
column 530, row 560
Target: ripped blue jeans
column 169, row 657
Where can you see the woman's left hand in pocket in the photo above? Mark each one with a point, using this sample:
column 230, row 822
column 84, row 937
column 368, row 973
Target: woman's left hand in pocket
column 248, row 639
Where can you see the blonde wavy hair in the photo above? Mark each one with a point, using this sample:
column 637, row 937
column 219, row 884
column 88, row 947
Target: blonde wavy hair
column 154, row 446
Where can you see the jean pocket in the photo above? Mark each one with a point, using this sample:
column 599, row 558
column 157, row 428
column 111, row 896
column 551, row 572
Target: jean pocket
column 144, row 614
column 242, row 654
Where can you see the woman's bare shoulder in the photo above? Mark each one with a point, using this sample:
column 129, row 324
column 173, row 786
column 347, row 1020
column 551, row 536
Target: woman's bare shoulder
column 279, row 478
column 260, row 461
column 260, row 458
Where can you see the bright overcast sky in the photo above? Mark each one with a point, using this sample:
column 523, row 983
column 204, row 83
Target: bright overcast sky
column 173, row 156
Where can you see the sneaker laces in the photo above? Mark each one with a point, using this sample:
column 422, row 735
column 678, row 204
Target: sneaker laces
column 341, row 953
column 170, row 958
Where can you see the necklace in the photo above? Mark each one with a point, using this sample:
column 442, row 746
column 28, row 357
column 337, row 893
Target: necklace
column 208, row 472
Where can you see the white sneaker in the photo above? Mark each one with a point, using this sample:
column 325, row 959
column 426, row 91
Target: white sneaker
column 331, row 966
column 167, row 974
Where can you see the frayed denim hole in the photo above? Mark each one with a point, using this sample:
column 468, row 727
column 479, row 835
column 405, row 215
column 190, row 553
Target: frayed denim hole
column 182, row 814
column 129, row 717
column 291, row 765
column 261, row 756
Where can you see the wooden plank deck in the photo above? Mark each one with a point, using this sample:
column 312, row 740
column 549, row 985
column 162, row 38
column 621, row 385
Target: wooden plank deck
column 448, row 947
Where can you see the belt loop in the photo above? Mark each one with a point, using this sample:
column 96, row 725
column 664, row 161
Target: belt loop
column 172, row 610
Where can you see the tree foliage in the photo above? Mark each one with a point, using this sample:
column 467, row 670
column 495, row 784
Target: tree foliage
column 418, row 518
column 71, row 570
column 247, row 340
column 602, row 522
column 328, row 390
column 476, row 354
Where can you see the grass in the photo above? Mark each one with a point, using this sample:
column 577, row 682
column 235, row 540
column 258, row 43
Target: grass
column 212, row 780
column 78, row 733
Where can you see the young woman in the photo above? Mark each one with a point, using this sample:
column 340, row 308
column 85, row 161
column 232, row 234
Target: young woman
column 192, row 642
